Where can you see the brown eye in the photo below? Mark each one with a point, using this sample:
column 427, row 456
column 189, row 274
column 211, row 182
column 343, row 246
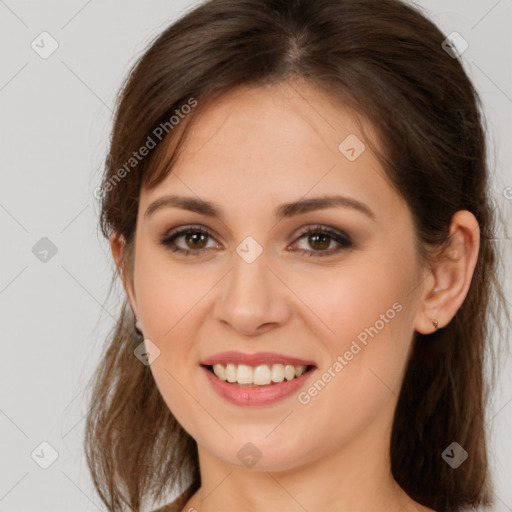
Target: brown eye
column 196, row 240
column 189, row 240
column 320, row 239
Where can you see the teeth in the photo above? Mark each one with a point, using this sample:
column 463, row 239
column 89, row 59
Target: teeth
column 289, row 372
column 277, row 373
column 262, row 375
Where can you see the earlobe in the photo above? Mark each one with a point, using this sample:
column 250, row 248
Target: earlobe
column 451, row 274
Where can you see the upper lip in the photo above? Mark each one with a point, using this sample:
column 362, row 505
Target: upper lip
column 255, row 359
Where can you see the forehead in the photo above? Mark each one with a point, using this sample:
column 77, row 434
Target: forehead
column 260, row 145
column 270, row 121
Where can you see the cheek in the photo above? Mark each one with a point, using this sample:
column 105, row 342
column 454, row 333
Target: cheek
column 362, row 374
column 167, row 295
column 366, row 327
column 347, row 301
column 172, row 304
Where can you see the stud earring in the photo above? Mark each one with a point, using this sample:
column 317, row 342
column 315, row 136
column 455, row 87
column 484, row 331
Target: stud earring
column 435, row 323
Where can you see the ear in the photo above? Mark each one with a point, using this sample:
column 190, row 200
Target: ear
column 450, row 276
column 118, row 248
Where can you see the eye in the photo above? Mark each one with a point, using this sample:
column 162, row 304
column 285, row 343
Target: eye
column 193, row 240
column 321, row 238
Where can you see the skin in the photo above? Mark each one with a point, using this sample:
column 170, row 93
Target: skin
column 252, row 150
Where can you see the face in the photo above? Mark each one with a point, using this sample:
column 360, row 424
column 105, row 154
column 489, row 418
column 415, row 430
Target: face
column 330, row 287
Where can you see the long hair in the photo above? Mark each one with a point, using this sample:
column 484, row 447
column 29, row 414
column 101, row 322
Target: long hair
column 386, row 61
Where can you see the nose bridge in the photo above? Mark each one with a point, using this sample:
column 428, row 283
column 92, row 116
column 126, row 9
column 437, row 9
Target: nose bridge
column 251, row 295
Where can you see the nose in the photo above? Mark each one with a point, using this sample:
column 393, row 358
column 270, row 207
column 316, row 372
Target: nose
column 252, row 299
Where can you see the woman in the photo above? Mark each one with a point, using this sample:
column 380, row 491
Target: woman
column 296, row 198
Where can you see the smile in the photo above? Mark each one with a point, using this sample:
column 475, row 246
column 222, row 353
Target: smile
column 253, row 379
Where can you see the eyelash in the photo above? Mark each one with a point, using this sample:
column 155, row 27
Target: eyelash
column 169, row 240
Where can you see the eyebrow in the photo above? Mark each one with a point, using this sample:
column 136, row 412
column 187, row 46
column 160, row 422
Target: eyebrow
column 286, row 210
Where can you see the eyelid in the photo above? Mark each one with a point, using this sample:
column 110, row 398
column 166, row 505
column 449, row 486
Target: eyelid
column 323, row 228
column 335, row 234
column 182, row 230
column 340, row 237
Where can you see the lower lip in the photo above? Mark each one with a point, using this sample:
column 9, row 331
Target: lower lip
column 257, row 395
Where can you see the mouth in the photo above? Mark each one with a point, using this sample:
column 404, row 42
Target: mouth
column 244, row 375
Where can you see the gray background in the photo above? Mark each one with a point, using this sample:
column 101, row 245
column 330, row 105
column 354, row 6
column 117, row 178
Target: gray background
column 55, row 122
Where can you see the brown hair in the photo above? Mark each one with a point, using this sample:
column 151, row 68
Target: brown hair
column 384, row 59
